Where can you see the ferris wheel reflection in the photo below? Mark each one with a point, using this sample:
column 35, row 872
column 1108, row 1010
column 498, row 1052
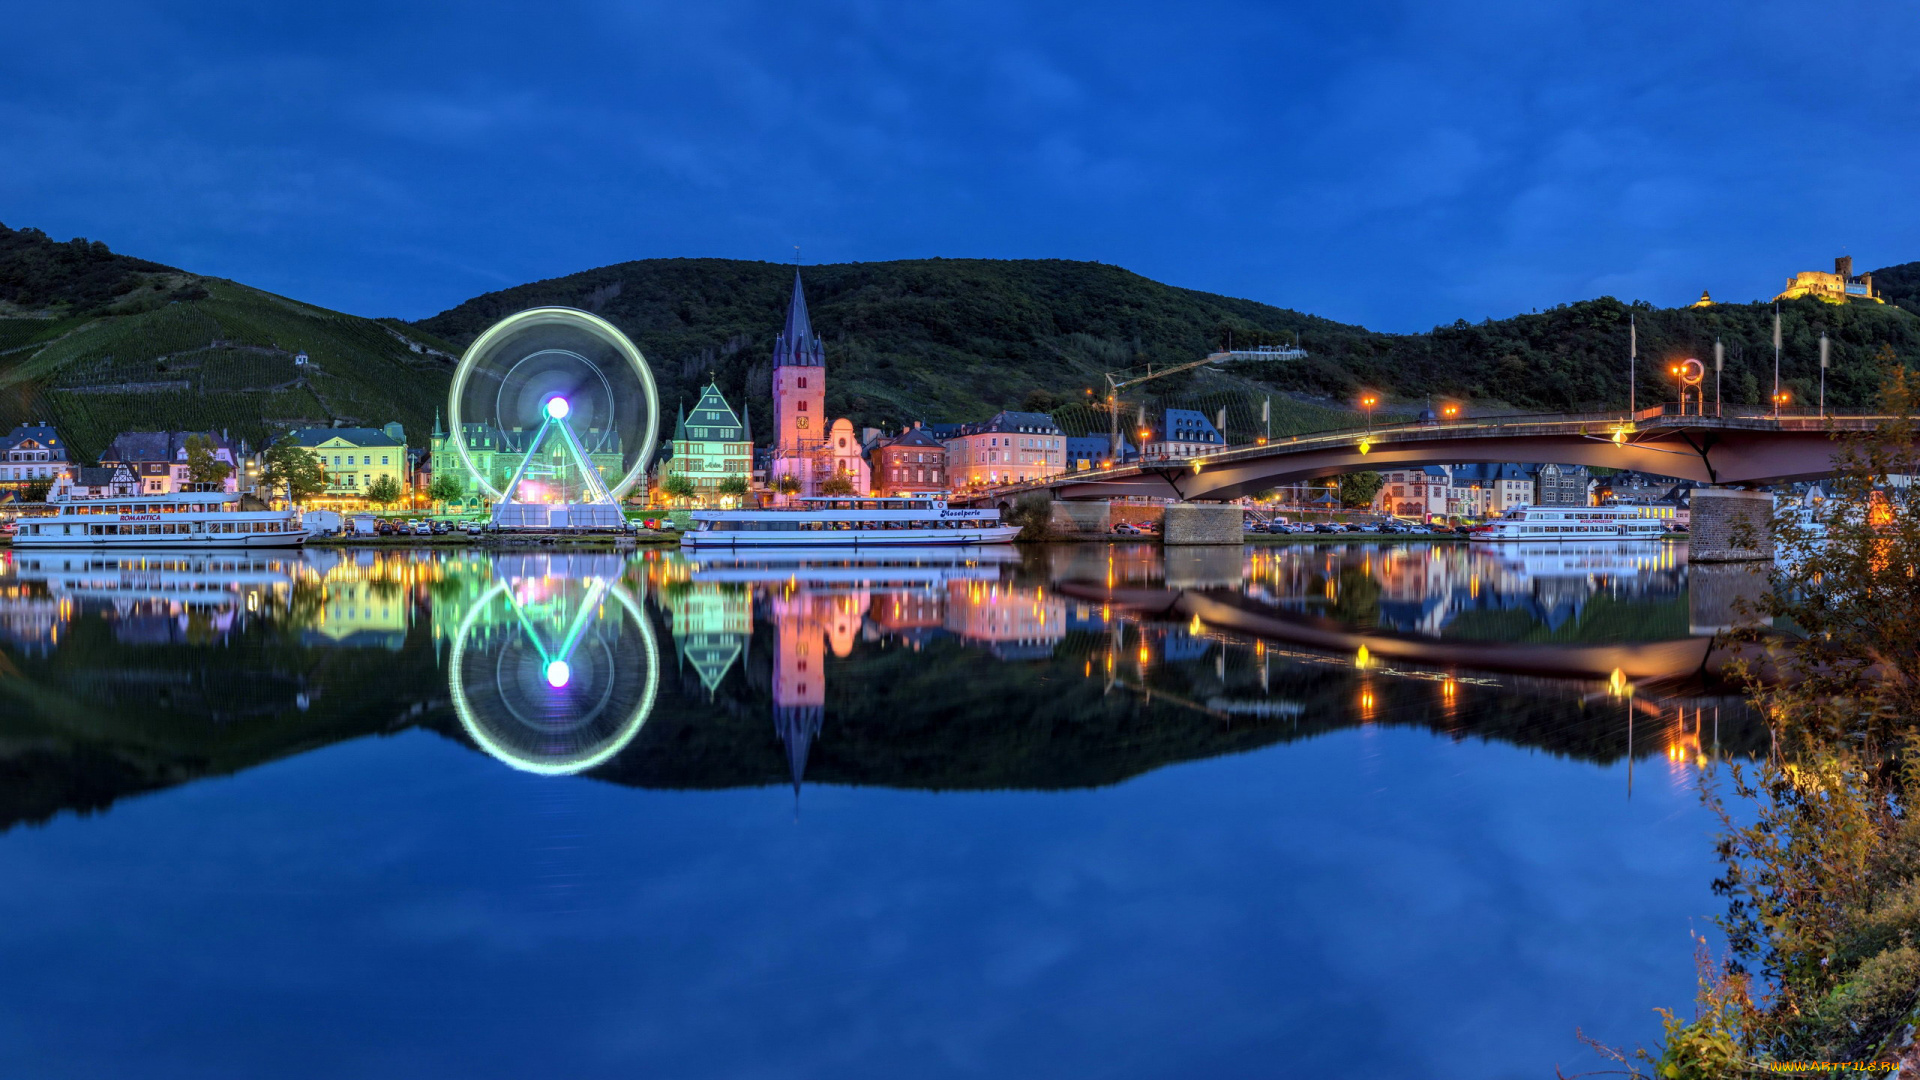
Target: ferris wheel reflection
column 554, row 667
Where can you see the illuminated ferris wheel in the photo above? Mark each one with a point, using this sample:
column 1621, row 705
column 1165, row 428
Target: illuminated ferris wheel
column 554, row 414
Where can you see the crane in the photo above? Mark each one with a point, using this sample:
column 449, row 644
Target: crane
column 1115, row 385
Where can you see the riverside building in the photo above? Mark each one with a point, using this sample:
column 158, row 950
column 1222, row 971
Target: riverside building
column 32, row 454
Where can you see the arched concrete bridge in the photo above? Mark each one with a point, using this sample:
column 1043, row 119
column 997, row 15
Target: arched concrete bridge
column 1718, row 450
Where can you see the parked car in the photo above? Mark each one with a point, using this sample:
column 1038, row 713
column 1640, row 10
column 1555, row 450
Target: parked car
column 1329, row 527
column 1126, row 529
column 423, row 528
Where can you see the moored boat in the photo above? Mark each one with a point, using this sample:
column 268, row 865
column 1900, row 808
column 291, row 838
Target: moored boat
column 210, row 519
column 1573, row 523
column 855, row 523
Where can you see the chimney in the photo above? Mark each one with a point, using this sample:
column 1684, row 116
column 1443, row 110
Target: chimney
column 1843, row 266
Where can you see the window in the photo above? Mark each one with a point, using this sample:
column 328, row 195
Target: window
column 802, row 384
column 383, row 459
column 802, row 406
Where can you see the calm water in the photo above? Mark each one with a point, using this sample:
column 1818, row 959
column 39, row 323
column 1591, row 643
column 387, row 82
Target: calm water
column 1078, row 811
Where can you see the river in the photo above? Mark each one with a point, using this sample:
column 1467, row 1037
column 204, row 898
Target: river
column 1409, row 810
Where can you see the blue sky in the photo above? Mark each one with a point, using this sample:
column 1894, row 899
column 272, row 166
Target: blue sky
column 1394, row 164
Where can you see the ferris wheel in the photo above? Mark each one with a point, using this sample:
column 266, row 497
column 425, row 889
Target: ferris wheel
column 554, row 668
column 554, row 414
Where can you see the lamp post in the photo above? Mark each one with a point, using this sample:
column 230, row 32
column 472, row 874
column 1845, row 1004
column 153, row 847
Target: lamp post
column 1719, row 361
column 1633, row 363
column 1776, row 362
column 1367, row 402
column 1823, row 374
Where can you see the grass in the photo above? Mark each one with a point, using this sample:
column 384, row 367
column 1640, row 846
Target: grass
column 224, row 361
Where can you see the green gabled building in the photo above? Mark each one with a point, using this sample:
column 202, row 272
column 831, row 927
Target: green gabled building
column 711, row 445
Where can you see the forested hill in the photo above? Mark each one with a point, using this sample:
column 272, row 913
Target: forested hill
column 953, row 339
column 936, row 339
column 100, row 343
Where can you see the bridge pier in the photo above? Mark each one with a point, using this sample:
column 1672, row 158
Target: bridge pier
column 1202, row 523
column 1090, row 518
column 1730, row 525
column 1725, row 596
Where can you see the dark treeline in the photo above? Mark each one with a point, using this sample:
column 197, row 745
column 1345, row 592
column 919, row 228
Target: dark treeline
column 955, row 339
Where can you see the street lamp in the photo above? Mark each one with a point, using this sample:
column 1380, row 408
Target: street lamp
column 1779, row 401
column 1689, row 373
column 1450, row 411
column 1367, row 402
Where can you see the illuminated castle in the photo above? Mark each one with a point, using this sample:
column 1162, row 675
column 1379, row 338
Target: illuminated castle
column 1835, row 288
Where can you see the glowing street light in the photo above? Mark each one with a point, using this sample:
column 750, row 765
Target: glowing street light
column 1367, row 402
column 1779, row 402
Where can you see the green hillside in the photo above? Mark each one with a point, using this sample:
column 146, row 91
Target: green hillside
column 932, row 339
column 956, row 339
column 181, row 352
column 100, row 342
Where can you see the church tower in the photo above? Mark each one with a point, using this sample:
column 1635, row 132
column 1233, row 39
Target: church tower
column 799, row 396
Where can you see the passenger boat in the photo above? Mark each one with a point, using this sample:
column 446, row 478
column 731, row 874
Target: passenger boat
column 192, row 520
column 1573, row 523
column 843, row 522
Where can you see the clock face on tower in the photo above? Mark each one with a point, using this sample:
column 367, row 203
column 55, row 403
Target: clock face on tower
column 800, row 422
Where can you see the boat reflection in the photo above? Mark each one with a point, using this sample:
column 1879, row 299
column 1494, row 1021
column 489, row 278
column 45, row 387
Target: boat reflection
column 1045, row 667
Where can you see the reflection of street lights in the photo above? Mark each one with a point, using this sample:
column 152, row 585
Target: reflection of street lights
column 1367, row 402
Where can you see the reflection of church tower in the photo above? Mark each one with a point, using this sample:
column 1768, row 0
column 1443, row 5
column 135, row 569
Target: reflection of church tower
column 799, row 680
column 799, row 396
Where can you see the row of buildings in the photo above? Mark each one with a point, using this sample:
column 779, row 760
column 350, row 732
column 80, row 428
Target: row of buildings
column 1440, row 492
column 35, row 457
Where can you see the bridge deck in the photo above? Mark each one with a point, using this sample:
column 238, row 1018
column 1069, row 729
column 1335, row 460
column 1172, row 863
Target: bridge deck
column 1737, row 447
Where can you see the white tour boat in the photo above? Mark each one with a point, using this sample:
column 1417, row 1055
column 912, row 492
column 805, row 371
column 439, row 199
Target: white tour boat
column 210, row 519
column 849, row 522
column 1573, row 523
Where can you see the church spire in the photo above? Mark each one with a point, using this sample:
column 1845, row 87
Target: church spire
column 796, row 345
column 680, row 425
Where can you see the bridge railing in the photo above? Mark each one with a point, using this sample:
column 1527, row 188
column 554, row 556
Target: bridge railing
column 1603, row 420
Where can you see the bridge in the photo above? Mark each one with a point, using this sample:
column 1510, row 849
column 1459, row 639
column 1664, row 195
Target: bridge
column 1728, row 451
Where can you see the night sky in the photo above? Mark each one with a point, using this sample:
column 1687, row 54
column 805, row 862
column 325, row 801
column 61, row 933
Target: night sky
column 1393, row 164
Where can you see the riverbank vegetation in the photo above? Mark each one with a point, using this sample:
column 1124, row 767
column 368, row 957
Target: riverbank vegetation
column 1821, row 848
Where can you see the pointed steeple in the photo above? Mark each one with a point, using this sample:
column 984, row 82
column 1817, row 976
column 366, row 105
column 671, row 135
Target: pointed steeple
column 746, row 421
column 796, row 345
column 437, row 433
column 680, row 425
column 797, row 726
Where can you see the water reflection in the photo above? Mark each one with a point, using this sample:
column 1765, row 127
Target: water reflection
column 1061, row 666
column 553, row 668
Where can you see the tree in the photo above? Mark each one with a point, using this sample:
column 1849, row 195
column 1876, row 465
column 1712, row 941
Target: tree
column 202, row 466
column 446, row 488
column 385, row 490
column 837, row 484
column 787, row 485
column 733, row 485
column 293, row 468
column 1358, row 489
column 677, row 486
column 36, row 490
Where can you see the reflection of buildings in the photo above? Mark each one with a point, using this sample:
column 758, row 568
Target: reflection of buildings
column 1014, row 623
column 799, row 679
column 711, row 626
column 361, row 614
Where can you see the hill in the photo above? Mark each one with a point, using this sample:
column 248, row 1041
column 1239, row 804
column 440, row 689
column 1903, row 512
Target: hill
column 934, row 339
column 955, row 339
column 113, row 344
column 100, row 342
